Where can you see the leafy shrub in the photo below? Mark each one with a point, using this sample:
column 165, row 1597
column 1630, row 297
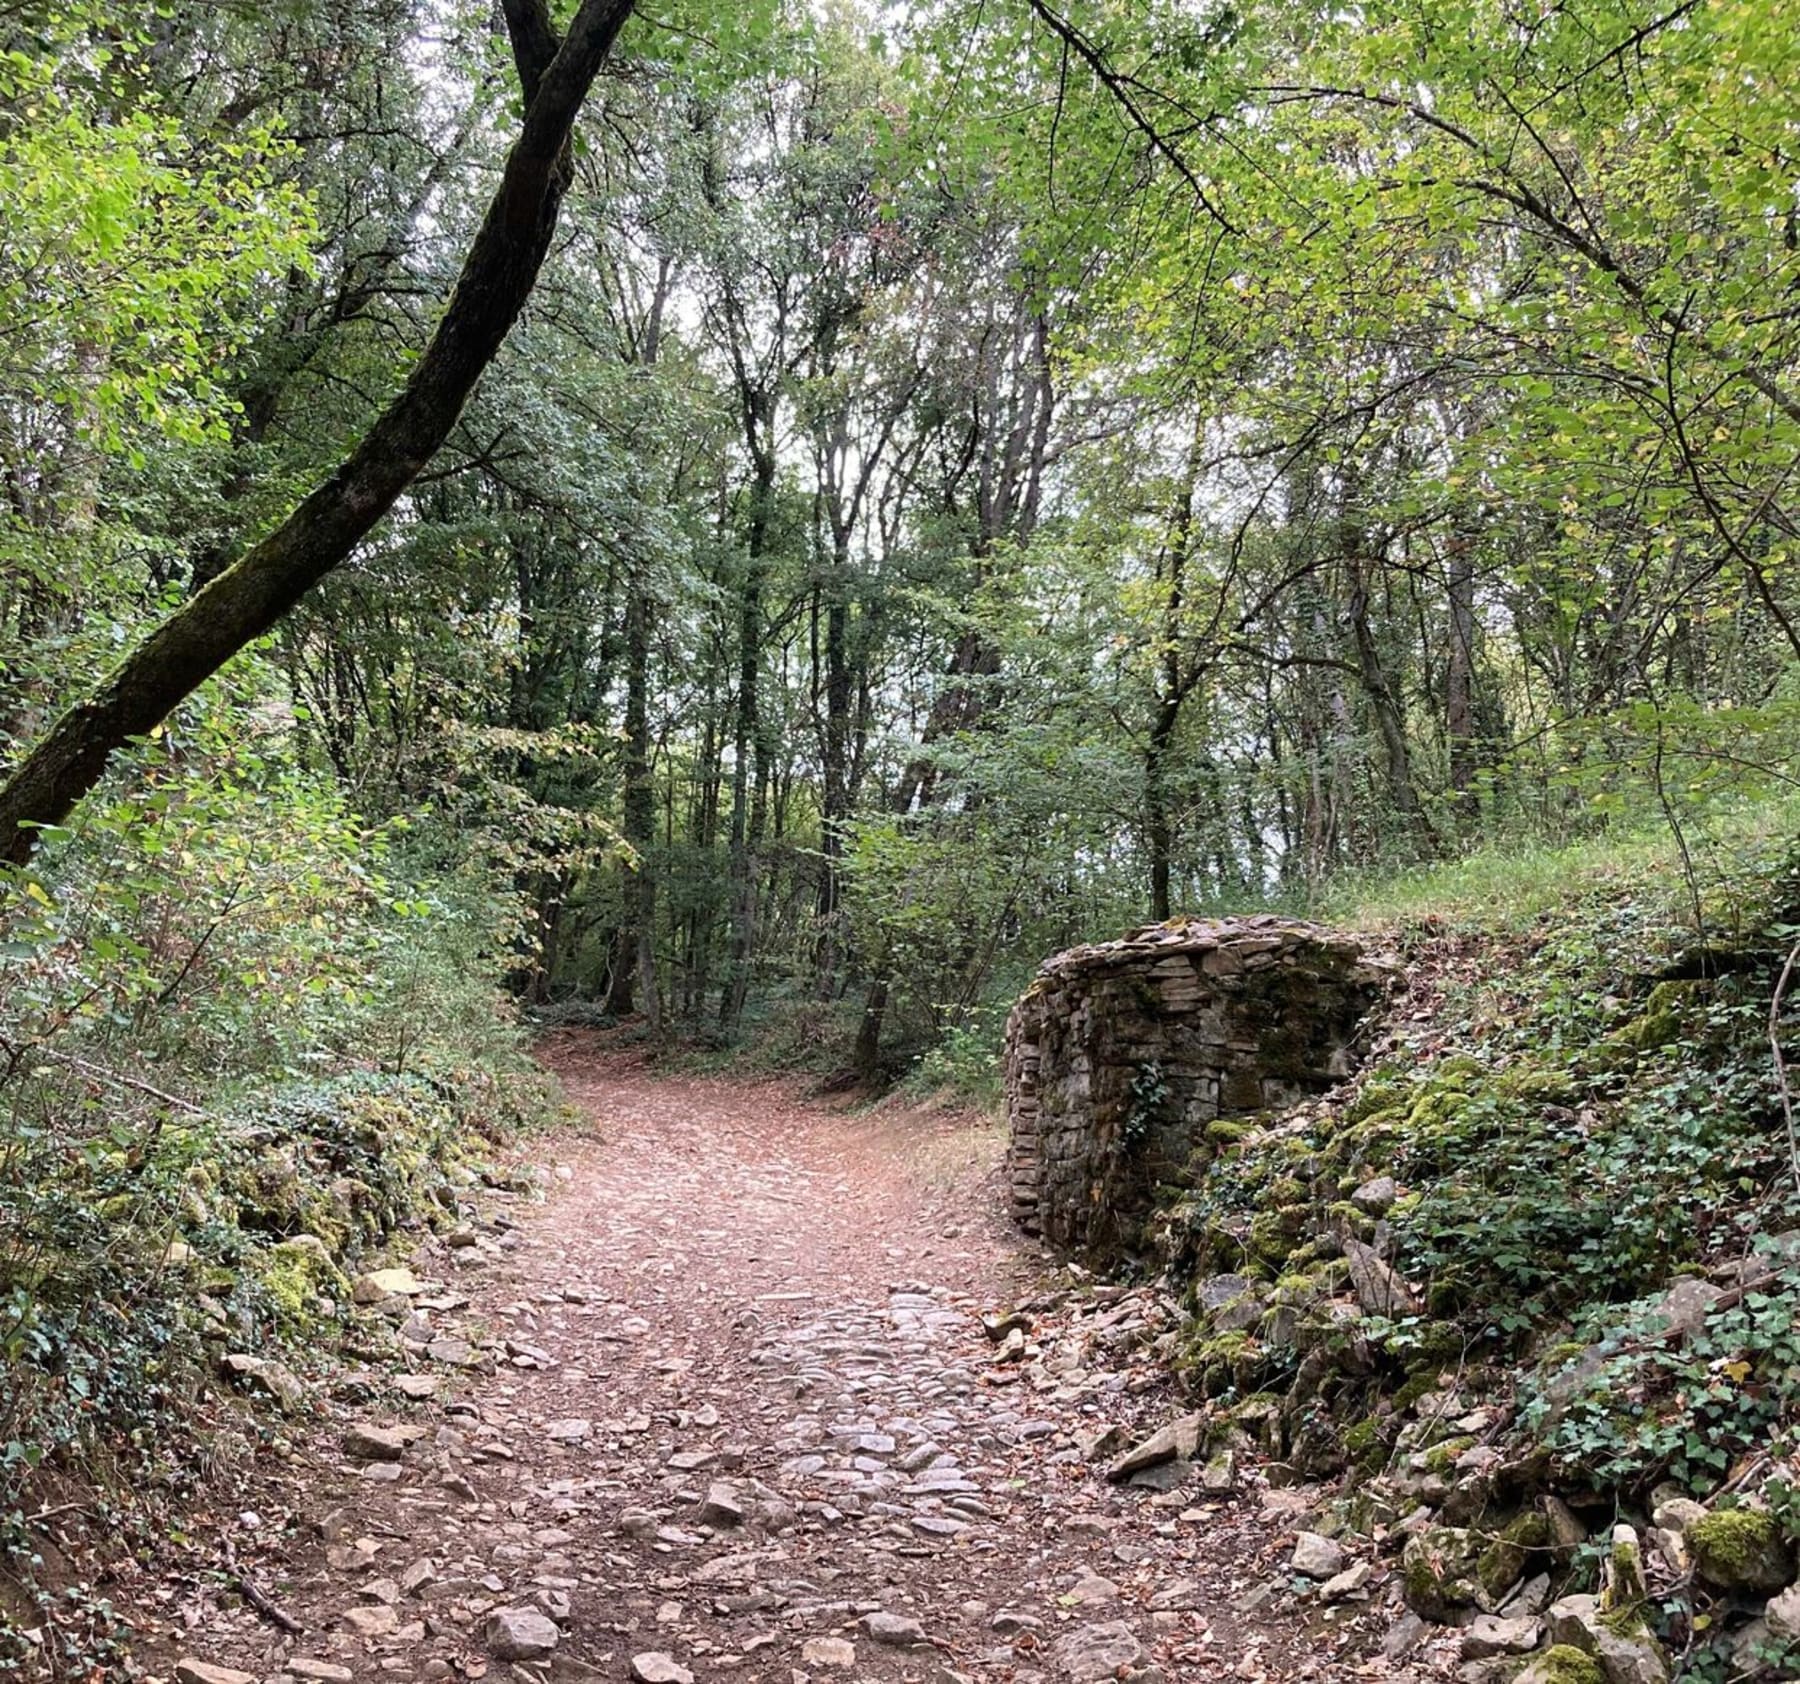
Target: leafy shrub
column 965, row 1059
column 227, row 1019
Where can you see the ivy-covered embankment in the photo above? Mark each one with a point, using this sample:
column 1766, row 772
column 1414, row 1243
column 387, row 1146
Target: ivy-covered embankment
column 1524, row 1293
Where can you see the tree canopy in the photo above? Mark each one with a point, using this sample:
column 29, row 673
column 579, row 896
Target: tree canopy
column 939, row 485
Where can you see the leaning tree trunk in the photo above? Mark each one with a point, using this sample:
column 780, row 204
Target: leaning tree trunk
column 252, row 595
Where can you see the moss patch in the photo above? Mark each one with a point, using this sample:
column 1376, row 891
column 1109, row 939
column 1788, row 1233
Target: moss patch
column 1563, row 1663
column 299, row 1277
column 1503, row 1562
column 1740, row 1549
column 1364, row 1445
column 1228, row 1131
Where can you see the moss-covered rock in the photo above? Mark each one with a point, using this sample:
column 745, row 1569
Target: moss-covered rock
column 1221, row 1363
column 1439, row 1570
column 1380, row 1091
column 1537, row 1084
column 1441, row 1457
column 1619, row 1640
column 1562, row 1663
column 1741, row 1549
column 1365, row 1446
column 1658, row 1023
column 1419, row 1384
column 300, row 1277
column 1275, row 1232
column 1624, row 1592
column 1559, row 1355
column 1297, row 1286
column 1503, row 1562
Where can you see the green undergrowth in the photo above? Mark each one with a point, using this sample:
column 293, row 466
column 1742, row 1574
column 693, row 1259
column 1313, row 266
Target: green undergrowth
column 784, row 1033
column 246, row 1050
column 1505, row 885
column 1580, row 1115
column 133, row 1267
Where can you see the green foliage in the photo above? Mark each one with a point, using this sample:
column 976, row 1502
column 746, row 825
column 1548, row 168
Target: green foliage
column 929, row 516
column 1648, row 1408
column 1149, row 1098
column 1590, row 1118
column 239, row 1051
column 1388, row 470
column 964, row 1060
column 134, row 250
column 1504, row 887
column 957, row 905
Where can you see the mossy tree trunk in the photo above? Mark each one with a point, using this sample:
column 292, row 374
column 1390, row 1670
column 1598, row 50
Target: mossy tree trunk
column 251, row 596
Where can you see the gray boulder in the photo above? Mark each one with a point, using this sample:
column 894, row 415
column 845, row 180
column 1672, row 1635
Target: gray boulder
column 1178, row 1441
column 1317, row 1557
column 1376, row 1197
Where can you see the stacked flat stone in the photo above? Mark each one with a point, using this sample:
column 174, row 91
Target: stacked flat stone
column 1120, row 1053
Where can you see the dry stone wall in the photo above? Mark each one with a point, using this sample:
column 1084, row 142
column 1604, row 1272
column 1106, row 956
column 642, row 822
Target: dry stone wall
column 1125, row 1060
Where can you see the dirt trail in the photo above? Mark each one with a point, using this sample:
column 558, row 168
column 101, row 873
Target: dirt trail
column 729, row 1413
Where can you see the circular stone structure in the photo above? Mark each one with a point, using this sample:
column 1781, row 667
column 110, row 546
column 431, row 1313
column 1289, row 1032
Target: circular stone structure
column 1120, row 1055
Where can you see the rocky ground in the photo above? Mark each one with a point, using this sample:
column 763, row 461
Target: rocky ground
column 759, row 1388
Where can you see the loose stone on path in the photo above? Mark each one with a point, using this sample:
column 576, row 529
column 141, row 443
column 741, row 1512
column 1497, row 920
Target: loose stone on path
column 833, row 1653
column 892, row 1629
column 521, row 1634
column 1093, row 1654
column 377, row 1444
column 201, row 1672
column 657, row 1667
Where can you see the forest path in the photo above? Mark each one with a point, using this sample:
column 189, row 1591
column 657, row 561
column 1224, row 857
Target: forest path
column 731, row 1414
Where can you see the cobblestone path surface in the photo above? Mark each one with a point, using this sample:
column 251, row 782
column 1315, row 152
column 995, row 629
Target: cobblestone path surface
column 721, row 1405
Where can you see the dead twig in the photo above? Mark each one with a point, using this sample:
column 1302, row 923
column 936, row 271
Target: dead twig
column 100, row 1074
column 258, row 1599
column 51, row 1514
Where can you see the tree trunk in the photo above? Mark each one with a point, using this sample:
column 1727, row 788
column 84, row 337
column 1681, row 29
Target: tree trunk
column 640, row 802
column 1390, row 718
column 636, row 973
column 749, row 772
column 1175, row 679
column 834, row 796
column 1158, row 826
column 252, row 595
column 868, row 1030
column 1459, row 676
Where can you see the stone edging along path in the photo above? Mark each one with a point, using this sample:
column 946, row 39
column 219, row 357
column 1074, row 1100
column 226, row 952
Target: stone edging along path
column 765, row 1390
